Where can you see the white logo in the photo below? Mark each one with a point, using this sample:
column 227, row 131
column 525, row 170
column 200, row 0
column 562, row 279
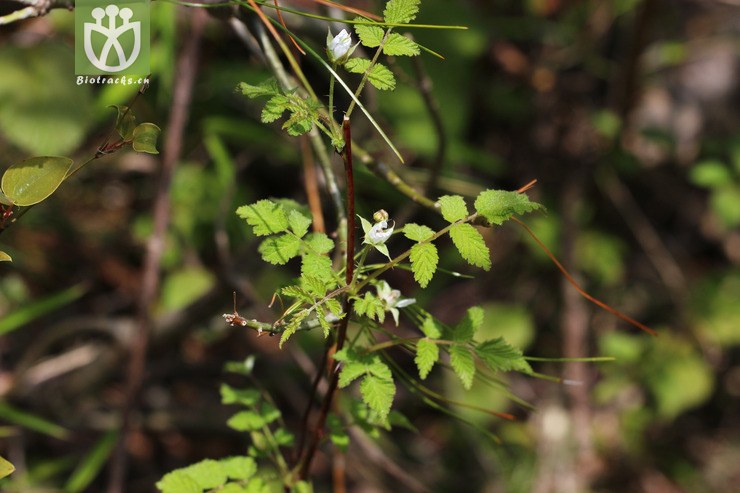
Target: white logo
column 112, row 33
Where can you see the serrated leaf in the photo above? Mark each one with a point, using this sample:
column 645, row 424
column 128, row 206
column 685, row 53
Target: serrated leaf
column 239, row 468
column 34, row 179
column 370, row 36
column 471, row 246
column 178, row 482
column 266, row 88
column 379, row 75
column 207, row 473
column 315, row 287
column 298, row 223
column 278, row 250
column 470, row 323
column 265, row 217
column 125, row 121
column 400, row 11
column 321, row 317
column 453, row 207
column 292, row 326
column 318, row 266
column 298, row 124
column 424, row 260
column 427, row 353
column 399, row 45
column 274, row 108
column 144, row 138
column 417, row 232
column 463, row 364
column 4, row 257
column 378, row 394
column 319, row 243
column 431, row 328
column 498, row 206
column 370, row 306
column 334, row 307
column 499, row 355
column 351, row 370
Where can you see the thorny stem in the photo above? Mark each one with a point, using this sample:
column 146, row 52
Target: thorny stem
column 343, row 323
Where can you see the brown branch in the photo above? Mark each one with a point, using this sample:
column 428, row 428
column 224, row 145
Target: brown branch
column 186, row 70
column 333, row 365
column 311, row 184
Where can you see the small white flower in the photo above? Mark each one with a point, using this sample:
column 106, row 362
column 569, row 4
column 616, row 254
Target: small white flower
column 379, row 233
column 339, row 48
column 392, row 300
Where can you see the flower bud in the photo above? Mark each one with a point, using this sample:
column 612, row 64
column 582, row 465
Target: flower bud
column 339, row 48
column 380, row 215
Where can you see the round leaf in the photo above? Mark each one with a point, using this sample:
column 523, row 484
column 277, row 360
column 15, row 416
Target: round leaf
column 34, row 179
column 125, row 122
column 145, row 138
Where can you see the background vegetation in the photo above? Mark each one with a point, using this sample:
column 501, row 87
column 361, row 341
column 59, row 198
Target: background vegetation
column 624, row 111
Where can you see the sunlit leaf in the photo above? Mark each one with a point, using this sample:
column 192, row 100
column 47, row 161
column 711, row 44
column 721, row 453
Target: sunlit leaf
column 145, row 138
column 6, row 468
column 4, row 257
column 34, row 179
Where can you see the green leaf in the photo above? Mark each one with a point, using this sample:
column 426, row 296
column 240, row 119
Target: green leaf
column 292, row 326
column 400, row 11
column 499, row 355
column 417, row 232
column 370, row 36
column 351, row 371
column 265, row 217
column 22, row 417
column 246, row 421
column 298, row 223
column 34, row 179
column 337, row 432
column 239, row 468
column 283, row 437
column 318, row 266
column 471, row 322
column 43, row 110
column 371, row 306
column 125, row 122
column 178, row 482
column 35, row 309
column 424, row 259
column 4, row 199
column 274, row 108
column 471, row 246
column 427, row 353
column 463, row 364
column 318, row 243
column 207, row 473
column 498, row 206
column 378, row 394
column 431, row 328
column 278, row 250
column 6, row 468
column 710, row 174
column 453, row 207
column 145, row 138
column 4, row 257
column 379, row 75
column 399, row 45
column 266, row 88
column 245, row 397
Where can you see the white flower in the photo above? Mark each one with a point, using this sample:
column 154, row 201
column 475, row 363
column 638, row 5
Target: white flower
column 392, row 300
column 377, row 234
column 339, row 48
